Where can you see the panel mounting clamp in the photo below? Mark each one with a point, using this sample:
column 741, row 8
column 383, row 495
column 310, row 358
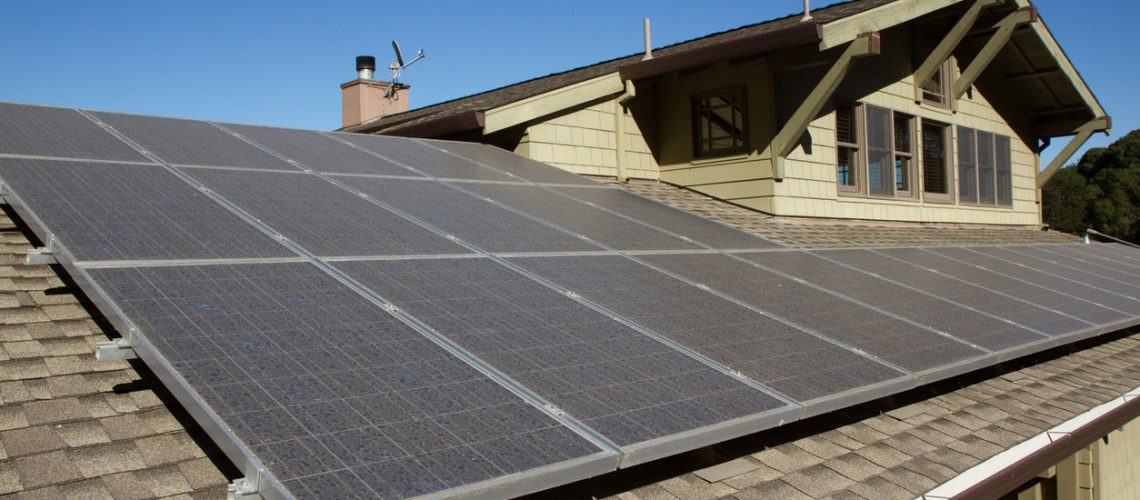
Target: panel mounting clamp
column 115, row 350
column 42, row 256
column 242, row 489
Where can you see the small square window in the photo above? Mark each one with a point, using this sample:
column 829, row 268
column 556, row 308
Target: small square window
column 720, row 122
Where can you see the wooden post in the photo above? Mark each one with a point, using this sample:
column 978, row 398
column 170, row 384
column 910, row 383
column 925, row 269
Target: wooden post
column 1005, row 31
column 1083, row 133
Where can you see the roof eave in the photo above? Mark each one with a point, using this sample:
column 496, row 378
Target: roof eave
column 438, row 126
column 795, row 35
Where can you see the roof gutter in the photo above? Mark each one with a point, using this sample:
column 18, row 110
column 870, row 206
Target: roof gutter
column 1009, row 469
column 797, row 34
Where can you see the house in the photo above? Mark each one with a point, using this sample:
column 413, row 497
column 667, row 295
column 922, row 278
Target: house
column 918, row 111
column 1041, row 415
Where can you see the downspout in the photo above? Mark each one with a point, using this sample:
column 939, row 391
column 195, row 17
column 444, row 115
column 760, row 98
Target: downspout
column 619, row 128
column 1011, row 468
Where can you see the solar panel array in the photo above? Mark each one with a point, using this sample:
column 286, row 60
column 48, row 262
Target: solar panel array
column 375, row 316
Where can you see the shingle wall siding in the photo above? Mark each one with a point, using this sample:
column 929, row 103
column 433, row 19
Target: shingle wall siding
column 585, row 142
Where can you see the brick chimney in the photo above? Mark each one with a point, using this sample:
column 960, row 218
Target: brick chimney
column 363, row 99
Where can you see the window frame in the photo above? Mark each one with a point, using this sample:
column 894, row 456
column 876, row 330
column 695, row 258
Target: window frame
column 696, row 109
column 858, row 147
column 861, row 159
column 942, row 99
column 995, row 169
column 947, row 163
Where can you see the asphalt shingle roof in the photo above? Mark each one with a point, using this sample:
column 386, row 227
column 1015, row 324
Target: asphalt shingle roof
column 74, row 427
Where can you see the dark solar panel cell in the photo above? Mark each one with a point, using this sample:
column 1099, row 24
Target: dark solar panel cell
column 318, row 152
column 471, row 219
column 580, row 218
column 677, row 221
column 1004, row 306
column 1100, row 255
column 189, row 142
column 607, row 375
column 426, row 159
column 323, row 218
column 103, row 211
column 64, row 133
column 520, row 166
column 1097, row 276
column 1044, row 279
column 1022, row 289
column 878, row 334
column 765, row 350
column 244, row 337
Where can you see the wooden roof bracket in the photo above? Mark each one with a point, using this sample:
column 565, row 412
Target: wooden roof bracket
column 949, row 43
column 867, row 44
column 1005, row 29
column 1101, row 124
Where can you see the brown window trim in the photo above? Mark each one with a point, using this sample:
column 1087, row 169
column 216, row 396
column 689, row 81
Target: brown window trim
column 696, row 110
column 943, row 100
column 858, row 150
column 977, row 170
column 908, row 190
column 947, row 162
column 859, row 171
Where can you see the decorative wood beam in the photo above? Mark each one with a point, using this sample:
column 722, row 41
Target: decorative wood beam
column 1005, row 29
column 786, row 140
column 946, row 47
column 865, row 45
column 1102, row 124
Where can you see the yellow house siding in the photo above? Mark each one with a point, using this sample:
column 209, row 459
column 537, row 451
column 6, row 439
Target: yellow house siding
column 1117, row 463
column 585, row 141
column 810, row 189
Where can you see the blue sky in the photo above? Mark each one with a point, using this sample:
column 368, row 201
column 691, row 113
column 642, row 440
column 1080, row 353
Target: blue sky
column 281, row 63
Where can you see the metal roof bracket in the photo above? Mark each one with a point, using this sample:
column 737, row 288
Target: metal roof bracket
column 42, row 256
column 117, row 349
column 243, row 489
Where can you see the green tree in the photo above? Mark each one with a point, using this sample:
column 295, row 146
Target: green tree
column 1101, row 191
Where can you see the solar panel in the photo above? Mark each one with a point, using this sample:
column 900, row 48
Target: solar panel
column 471, row 219
column 619, row 382
column 972, row 295
column 967, row 325
column 1025, row 290
column 318, row 215
column 888, row 338
column 1045, row 279
column 424, row 158
column 580, row 218
column 323, row 387
column 319, row 152
column 1097, row 255
column 56, row 132
column 382, row 357
column 105, row 211
column 1120, row 253
column 794, row 363
column 1077, row 270
column 698, row 229
column 518, row 165
column 189, row 142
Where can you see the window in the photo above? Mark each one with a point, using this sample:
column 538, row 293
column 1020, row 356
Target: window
column 935, row 162
column 984, row 170
column 904, row 152
column 874, row 150
column 720, row 122
column 934, row 90
column 847, row 147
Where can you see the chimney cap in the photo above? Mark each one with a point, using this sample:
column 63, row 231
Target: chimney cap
column 365, row 62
